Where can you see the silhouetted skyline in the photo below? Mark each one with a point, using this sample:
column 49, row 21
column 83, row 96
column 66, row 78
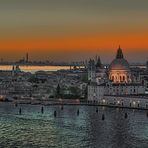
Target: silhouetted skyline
column 73, row 29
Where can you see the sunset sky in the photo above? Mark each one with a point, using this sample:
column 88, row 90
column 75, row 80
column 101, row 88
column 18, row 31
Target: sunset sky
column 66, row 30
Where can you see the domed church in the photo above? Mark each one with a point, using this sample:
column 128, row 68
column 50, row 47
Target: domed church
column 117, row 86
column 119, row 70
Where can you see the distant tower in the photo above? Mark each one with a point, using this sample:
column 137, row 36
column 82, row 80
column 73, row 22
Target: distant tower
column 17, row 68
column 27, row 57
column 98, row 63
column 91, row 70
column 13, row 70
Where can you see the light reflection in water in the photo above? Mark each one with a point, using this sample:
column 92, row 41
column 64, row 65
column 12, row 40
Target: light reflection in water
column 34, row 129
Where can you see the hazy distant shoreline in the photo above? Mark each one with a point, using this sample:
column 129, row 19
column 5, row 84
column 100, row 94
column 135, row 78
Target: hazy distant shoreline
column 33, row 69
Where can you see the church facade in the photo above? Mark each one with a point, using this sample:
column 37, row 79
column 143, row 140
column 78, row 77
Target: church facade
column 116, row 81
column 119, row 70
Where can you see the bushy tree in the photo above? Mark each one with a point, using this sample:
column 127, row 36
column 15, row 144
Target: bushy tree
column 58, row 91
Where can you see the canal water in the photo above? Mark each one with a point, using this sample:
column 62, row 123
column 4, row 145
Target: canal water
column 33, row 129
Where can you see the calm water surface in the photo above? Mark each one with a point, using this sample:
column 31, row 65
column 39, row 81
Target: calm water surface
column 33, row 69
column 67, row 130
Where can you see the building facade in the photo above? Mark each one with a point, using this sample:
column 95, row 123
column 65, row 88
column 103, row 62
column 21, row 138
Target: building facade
column 116, row 81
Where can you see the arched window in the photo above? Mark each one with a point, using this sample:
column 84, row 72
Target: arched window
column 112, row 78
column 120, row 79
column 123, row 78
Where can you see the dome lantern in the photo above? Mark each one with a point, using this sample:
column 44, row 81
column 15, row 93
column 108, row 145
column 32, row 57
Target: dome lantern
column 119, row 54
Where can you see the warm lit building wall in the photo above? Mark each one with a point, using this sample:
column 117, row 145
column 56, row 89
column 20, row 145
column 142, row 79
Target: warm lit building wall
column 120, row 76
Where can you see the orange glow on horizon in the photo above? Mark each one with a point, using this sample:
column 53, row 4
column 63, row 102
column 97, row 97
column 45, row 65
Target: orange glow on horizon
column 139, row 41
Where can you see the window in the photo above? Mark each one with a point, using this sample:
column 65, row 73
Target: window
column 123, row 78
column 120, row 79
column 112, row 78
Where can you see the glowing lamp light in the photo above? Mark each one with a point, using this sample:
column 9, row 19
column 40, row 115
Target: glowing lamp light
column 103, row 100
column 134, row 103
column 118, row 102
column 94, row 94
column 32, row 98
column 77, row 100
column 1, row 97
column 60, row 99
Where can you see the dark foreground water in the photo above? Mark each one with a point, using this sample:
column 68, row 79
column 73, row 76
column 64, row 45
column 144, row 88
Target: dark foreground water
column 67, row 130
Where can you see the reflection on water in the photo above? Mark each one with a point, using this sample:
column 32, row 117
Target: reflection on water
column 33, row 69
column 33, row 129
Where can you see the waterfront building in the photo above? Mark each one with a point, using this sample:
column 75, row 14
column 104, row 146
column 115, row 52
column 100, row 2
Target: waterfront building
column 119, row 80
column 91, row 70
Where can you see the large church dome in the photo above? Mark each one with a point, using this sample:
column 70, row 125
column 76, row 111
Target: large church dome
column 119, row 70
column 119, row 63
